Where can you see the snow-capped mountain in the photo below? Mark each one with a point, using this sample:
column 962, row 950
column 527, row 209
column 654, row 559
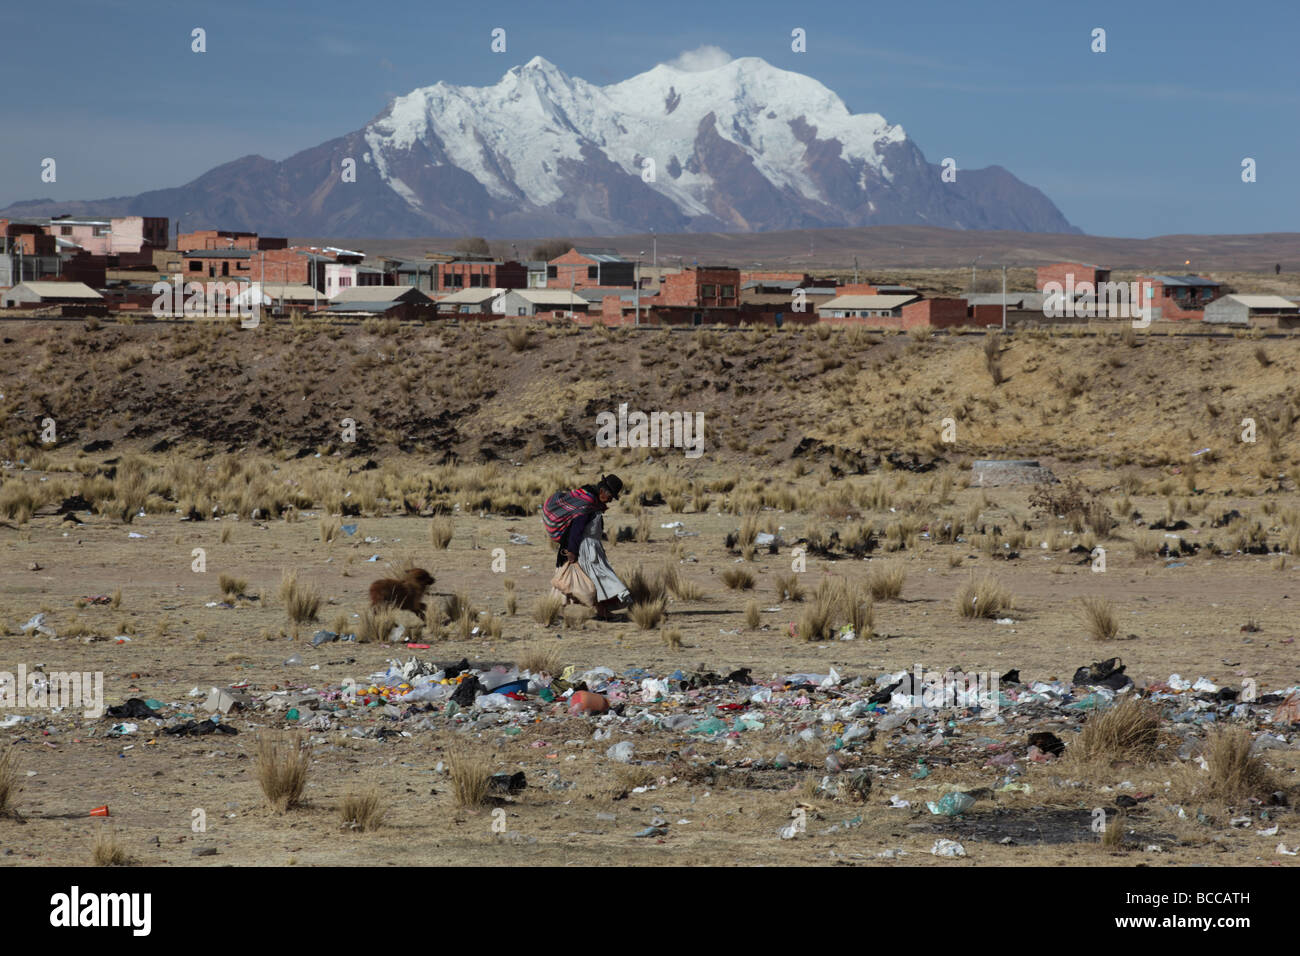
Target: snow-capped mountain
column 741, row 146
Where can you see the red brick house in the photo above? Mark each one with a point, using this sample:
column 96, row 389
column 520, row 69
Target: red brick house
column 715, row 287
column 1071, row 274
column 227, row 239
column 581, row 267
column 1178, row 297
column 473, row 272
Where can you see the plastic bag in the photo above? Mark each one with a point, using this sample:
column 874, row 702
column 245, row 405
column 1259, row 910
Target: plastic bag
column 572, row 582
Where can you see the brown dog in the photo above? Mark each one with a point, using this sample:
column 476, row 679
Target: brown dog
column 405, row 593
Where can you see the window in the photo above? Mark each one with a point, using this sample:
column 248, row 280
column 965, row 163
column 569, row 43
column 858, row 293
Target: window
column 552, row 272
column 728, row 291
column 196, row 265
column 65, row 230
column 593, row 272
column 344, row 281
column 225, row 268
column 708, row 291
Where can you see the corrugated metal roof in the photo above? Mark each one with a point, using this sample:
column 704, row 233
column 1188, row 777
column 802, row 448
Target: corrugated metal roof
column 599, row 254
column 550, row 297
column 867, row 302
column 297, row 293
column 378, row 293
column 771, row 284
column 1196, row 281
column 470, row 296
column 59, row 290
column 363, row 306
column 1026, row 300
column 1262, row 301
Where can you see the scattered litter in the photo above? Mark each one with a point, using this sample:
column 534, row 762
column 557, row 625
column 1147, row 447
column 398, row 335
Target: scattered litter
column 134, row 708
column 952, row 804
column 949, row 848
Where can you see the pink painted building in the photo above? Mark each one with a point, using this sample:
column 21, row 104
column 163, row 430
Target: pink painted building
column 107, row 237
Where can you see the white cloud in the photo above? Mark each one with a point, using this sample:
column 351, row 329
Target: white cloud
column 702, row 58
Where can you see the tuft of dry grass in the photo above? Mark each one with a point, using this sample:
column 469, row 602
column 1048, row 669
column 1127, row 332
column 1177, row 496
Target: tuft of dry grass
column 645, row 590
column 1098, row 616
column 441, row 531
column 678, row 586
column 1112, row 838
column 540, row 659
column 519, row 338
column 105, row 850
column 982, row 598
column 547, row 609
column 815, row 622
column 738, row 579
column 647, row 614
column 300, row 602
column 859, row 613
column 885, row 581
column 282, row 762
column 8, row 780
column 788, row 588
column 470, row 778
column 673, row 639
column 329, row 529
column 363, row 810
column 116, row 600
column 1235, row 774
column 752, row 617
column 377, row 622
column 1128, row 731
column 231, row 587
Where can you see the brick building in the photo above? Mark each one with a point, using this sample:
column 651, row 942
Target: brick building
column 1071, row 274
column 701, row 287
column 114, row 236
column 227, row 239
column 473, row 272
column 1178, row 298
column 581, row 267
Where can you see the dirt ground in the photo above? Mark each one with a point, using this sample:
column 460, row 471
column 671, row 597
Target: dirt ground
column 720, row 799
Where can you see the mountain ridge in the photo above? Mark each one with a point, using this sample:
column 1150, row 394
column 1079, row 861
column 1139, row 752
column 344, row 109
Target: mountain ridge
column 739, row 147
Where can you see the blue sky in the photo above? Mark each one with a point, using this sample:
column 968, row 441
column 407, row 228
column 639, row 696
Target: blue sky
column 1144, row 139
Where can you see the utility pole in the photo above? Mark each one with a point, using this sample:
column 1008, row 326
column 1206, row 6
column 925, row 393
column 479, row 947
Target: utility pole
column 1004, row 298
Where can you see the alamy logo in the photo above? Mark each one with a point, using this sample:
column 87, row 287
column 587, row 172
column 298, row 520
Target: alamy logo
column 74, row 909
column 211, row 299
column 656, row 430
column 1113, row 300
column 60, row 689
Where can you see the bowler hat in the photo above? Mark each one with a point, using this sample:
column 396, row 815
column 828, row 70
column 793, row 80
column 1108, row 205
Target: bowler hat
column 613, row 484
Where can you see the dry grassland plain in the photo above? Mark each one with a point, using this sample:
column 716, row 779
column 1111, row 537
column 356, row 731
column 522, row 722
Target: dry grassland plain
column 830, row 437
